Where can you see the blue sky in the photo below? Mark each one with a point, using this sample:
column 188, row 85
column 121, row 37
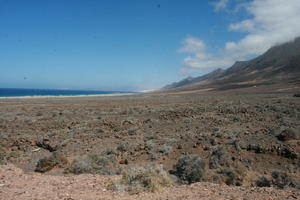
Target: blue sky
column 118, row 44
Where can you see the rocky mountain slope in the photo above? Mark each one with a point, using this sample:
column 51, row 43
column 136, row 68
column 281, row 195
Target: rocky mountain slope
column 280, row 64
column 190, row 80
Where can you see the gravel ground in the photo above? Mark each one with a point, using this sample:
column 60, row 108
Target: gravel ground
column 14, row 184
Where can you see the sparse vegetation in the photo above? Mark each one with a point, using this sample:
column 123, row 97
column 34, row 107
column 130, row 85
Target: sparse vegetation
column 149, row 145
column 259, row 135
column 289, row 134
column 154, row 156
column 233, row 175
column 147, row 178
column 125, row 147
column 131, row 132
column 218, row 157
column 189, row 169
column 263, row 182
column 296, row 95
column 46, row 143
column 48, row 163
column 281, row 180
column 2, row 155
column 94, row 164
column 165, row 149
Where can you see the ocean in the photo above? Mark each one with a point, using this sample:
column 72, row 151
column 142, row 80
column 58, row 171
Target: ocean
column 18, row 92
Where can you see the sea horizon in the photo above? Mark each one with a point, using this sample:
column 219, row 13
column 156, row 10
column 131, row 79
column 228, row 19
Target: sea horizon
column 32, row 92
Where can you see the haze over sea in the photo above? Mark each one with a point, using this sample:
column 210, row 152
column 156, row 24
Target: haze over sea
column 19, row 92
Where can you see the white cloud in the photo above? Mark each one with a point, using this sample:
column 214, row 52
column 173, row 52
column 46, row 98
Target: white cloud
column 200, row 58
column 246, row 26
column 272, row 22
column 191, row 45
column 220, row 5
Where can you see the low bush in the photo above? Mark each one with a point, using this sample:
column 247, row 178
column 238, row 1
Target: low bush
column 131, row 132
column 257, row 148
column 296, row 95
column 234, row 175
column 236, row 144
column 154, row 156
column 149, row 145
column 289, row 134
column 148, row 178
column 281, row 180
column 47, row 144
column 263, row 182
column 110, row 152
column 165, row 149
column 218, row 157
column 125, row 147
column 189, row 169
column 48, row 163
column 2, row 155
column 94, row 164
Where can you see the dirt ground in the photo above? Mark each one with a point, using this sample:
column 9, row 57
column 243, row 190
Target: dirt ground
column 15, row 185
column 253, row 135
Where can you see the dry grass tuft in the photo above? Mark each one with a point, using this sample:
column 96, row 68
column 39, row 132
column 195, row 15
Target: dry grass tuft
column 148, row 178
column 94, row 164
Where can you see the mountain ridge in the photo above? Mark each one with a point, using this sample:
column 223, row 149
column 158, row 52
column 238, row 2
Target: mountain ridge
column 279, row 63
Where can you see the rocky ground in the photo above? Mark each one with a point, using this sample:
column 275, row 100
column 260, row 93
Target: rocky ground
column 14, row 184
column 72, row 148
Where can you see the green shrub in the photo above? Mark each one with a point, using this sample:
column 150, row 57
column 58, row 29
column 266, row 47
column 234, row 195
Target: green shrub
column 148, row 178
column 189, row 169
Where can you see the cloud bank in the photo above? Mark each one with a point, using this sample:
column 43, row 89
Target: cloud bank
column 272, row 22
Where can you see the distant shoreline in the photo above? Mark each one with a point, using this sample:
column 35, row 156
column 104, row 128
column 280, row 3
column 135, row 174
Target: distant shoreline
column 67, row 96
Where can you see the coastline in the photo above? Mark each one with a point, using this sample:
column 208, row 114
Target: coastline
column 68, row 96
